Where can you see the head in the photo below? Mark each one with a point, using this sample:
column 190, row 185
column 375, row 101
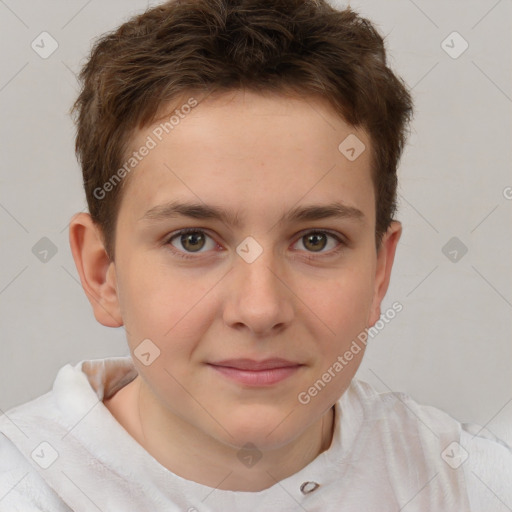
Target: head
column 232, row 118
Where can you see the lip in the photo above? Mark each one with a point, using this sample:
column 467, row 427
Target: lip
column 253, row 365
column 256, row 373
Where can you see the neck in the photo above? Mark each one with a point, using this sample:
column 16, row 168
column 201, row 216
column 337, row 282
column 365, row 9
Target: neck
column 194, row 455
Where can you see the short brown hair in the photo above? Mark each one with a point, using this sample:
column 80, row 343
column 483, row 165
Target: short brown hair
column 306, row 47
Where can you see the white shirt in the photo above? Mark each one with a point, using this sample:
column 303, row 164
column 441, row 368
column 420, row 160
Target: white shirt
column 64, row 451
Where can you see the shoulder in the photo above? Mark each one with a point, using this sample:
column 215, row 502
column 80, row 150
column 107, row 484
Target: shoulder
column 34, row 436
column 487, row 463
column 484, row 459
column 21, row 487
column 399, row 408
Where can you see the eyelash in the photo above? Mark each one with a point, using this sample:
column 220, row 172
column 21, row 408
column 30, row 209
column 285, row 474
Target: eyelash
column 341, row 243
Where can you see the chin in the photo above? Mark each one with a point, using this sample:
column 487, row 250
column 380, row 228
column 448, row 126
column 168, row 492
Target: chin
column 266, row 432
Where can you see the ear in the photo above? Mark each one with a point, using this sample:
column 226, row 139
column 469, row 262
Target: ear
column 385, row 258
column 97, row 272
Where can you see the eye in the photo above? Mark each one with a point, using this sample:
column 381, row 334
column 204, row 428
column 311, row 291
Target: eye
column 317, row 241
column 191, row 241
column 187, row 242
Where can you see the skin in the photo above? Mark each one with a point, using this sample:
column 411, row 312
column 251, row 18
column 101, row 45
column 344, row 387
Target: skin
column 260, row 156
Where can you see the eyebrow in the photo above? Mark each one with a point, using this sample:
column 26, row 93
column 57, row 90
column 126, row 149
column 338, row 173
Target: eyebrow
column 175, row 209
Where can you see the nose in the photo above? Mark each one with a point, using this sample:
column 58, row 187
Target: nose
column 259, row 299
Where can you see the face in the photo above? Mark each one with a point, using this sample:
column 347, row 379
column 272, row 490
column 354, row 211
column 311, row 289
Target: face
column 276, row 276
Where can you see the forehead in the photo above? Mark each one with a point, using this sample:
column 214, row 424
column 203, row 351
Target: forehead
column 234, row 146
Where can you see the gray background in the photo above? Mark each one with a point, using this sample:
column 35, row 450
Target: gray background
column 450, row 347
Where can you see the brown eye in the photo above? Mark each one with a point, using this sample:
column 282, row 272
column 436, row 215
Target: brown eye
column 192, row 241
column 315, row 241
column 323, row 243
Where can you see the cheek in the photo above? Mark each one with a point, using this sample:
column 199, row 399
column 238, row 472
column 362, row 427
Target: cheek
column 171, row 308
column 150, row 290
column 345, row 301
column 142, row 298
column 344, row 308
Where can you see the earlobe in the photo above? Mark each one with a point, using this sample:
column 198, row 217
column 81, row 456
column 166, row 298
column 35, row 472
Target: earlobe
column 385, row 259
column 97, row 272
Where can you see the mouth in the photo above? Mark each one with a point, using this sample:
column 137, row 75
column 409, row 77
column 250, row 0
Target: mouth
column 256, row 373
